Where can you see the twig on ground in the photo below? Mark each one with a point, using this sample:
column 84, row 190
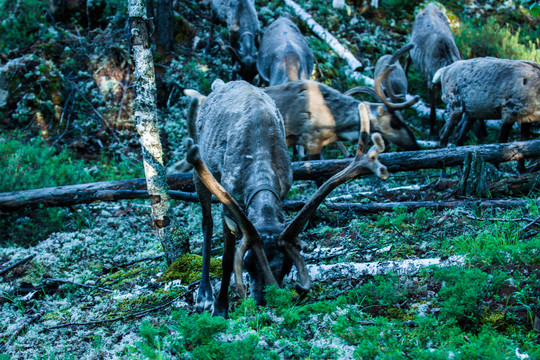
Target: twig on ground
column 61, row 281
column 155, row 257
column 30, row 320
column 124, row 317
column 13, row 266
column 532, row 222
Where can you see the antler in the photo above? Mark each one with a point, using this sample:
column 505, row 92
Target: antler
column 250, row 236
column 363, row 90
column 288, row 238
column 378, row 89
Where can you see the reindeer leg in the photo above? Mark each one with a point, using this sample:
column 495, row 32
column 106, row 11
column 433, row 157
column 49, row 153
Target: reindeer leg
column 205, row 297
column 464, row 127
column 221, row 307
column 432, row 112
column 453, row 119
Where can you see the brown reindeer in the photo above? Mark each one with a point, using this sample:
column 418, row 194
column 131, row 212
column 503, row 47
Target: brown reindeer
column 317, row 115
column 242, row 159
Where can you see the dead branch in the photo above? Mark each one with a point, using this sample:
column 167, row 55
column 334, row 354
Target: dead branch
column 426, row 159
column 431, row 205
column 13, row 266
column 61, row 281
column 137, row 314
column 30, row 320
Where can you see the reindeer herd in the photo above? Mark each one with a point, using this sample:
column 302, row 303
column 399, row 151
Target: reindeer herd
column 239, row 134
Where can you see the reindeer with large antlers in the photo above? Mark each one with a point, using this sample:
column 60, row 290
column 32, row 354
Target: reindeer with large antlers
column 242, row 159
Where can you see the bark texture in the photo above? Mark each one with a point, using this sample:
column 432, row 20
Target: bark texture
column 145, row 113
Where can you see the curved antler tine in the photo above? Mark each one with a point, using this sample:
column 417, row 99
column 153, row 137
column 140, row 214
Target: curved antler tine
column 304, row 281
column 378, row 89
column 356, row 167
column 400, row 52
column 250, row 236
column 233, row 52
column 363, row 90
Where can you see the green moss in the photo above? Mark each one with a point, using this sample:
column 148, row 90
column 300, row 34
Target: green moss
column 188, row 269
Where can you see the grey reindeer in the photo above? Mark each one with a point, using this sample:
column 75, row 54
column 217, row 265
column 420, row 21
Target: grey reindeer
column 284, row 54
column 490, row 88
column 242, row 23
column 434, row 48
column 240, row 156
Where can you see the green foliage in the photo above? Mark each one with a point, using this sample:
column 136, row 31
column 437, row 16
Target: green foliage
column 198, row 335
column 381, row 291
column 489, row 38
column 33, row 164
column 463, row 291
column 20, row 22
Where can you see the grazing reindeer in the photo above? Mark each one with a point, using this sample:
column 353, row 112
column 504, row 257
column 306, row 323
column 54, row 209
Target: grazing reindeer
column 434, row 48
column 284, row 54
column 490, row 88
column 317, row 115
column 243, row 25
column 242, row 159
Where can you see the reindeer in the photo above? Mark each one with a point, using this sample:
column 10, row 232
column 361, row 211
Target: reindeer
column 434, row 48
column 242, row 23
column 317, row 115
column 490, row 88
column 242, row 159
column 284, row 54
column 395, row 85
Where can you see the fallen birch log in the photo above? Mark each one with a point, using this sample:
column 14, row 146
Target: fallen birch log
column 321, row 32
column 309, row 170
column 348, row 271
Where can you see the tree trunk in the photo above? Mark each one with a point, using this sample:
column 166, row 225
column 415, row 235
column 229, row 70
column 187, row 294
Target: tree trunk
column 145, row 112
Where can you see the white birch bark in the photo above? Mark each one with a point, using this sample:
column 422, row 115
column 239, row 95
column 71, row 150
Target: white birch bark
column 354, row 64
column 145, row 113
column 345, row 271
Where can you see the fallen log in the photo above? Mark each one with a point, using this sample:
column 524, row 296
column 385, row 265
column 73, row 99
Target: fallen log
column 431, row 205
column 87, row 193
column 424, row 159
column 308, row 170
column 321, row 32
column 348, row 271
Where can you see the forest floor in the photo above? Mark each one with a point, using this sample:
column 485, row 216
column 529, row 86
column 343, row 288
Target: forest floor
column 97, row 285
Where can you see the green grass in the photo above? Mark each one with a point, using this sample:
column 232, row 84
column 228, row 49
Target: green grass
column 32, row 165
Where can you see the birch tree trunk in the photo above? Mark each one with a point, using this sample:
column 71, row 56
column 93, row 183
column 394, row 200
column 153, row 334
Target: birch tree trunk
column 145, row 113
